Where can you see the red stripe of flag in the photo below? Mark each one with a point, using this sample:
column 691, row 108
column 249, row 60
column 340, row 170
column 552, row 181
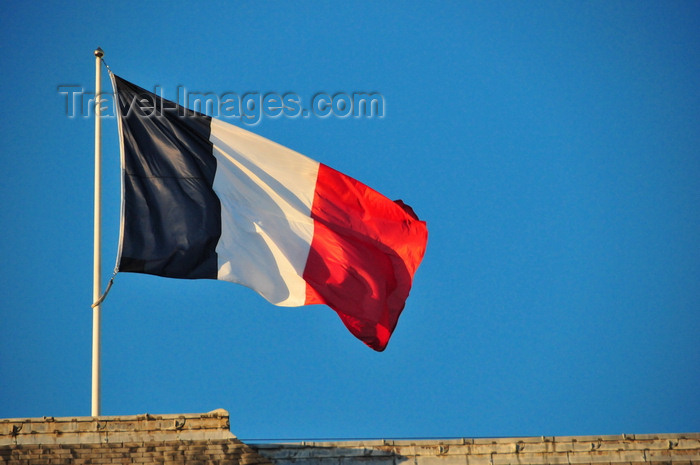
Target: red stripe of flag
column 364, row 253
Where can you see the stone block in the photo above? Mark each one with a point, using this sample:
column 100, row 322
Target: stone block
column 441, row 460
column 482, row 447
column 484, row 459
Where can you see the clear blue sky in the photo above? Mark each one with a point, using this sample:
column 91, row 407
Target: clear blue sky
column 552, row 147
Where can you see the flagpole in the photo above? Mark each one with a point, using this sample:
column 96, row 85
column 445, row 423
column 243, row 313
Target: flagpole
column 97, row 256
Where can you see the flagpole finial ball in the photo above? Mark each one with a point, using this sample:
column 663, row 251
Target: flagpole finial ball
column 99, row 53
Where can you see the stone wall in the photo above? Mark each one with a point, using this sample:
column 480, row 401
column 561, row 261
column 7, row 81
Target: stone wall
column 625, row 450
column 160, row 439
column 205, row 439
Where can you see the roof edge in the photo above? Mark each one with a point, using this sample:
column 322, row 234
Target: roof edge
column 123, row 428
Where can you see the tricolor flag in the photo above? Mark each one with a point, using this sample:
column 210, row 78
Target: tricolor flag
column 205, row 199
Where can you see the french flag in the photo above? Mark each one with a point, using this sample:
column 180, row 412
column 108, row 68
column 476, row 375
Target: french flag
column 205, row 199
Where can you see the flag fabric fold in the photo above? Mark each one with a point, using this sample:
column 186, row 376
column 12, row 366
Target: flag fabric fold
column 202, row 198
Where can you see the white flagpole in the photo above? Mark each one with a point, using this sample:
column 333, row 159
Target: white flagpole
column 97, row 262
